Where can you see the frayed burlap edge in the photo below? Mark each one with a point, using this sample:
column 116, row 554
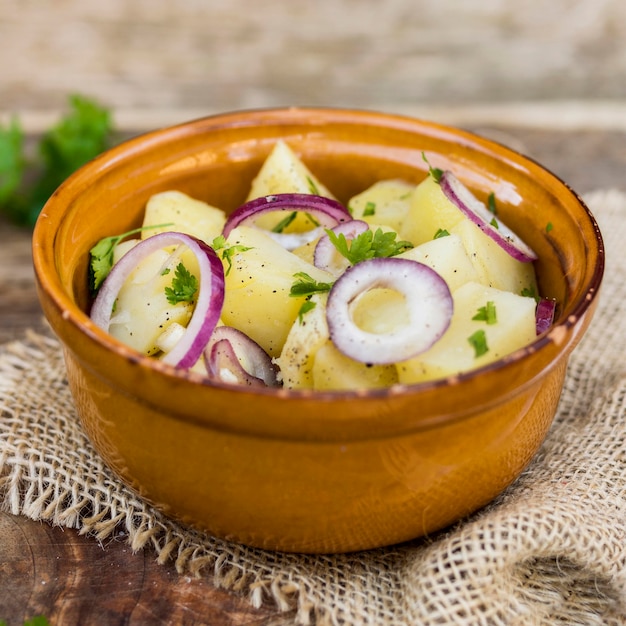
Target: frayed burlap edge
column 513, row 562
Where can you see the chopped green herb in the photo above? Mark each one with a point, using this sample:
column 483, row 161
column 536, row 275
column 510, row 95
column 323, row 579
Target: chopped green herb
column 370, row 209
column 228, row 251
column 478, row 341
column 82, row 134
column 491, row 203
column 435, row 172
column 280, row 227
column 312, row 186
column 549, row 227
column 368, row 245
column 101, row 255
column 494, row 223
column 530, row 292
column 312, row 220
column 184, row 286
column 166, row 271
column 306, row 285
column 307, row 306
column 441, row 232
column 486, row 313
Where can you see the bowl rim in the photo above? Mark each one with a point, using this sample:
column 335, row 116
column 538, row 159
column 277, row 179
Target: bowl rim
column 79, row 319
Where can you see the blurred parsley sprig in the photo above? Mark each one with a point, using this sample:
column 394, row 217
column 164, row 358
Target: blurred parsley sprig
column 83, row 133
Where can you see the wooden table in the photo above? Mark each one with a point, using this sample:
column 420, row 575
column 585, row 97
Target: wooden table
column 71, row 579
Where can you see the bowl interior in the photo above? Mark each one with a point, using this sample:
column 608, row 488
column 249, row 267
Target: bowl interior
column 215, row 159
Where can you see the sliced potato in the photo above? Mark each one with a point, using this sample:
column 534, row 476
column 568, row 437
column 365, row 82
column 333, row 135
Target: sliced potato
column 385, row 202
column 379, row 310
column 454, row 352
column 334, row 370
column 303, row 341
column 142, row 311
column 430, row 211
column 284, row 172
column 448, row 257
column 257, row 300
column 494, row 266
column 184, row 215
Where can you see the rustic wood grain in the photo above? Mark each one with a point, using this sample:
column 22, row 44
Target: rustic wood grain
column 75, row 580
column 72, row 579
column 19, row 308
column 235, row 54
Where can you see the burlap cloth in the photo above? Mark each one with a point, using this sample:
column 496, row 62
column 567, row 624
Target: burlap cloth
column 551, row 549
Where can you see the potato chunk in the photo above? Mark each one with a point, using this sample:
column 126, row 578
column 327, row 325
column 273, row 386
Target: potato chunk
column 430, row 211
column 257, row 298
column 385, row 202
column 334, row 370
column 455, row 353
column 448, row 257
column 494, row 266
column 305, row 338
column 284, row 172
column 142, row 311
column 184, row 215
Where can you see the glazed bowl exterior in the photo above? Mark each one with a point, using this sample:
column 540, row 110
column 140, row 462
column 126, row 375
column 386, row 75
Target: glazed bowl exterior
column 312, row 471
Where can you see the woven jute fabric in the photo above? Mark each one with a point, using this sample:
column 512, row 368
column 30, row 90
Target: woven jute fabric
column 550, row 550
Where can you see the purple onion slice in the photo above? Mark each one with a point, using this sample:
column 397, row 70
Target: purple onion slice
column 428, row 300
column 544, row 315
column 209, row 303
column 326, row 211
column 480, row 215
column 232, row 356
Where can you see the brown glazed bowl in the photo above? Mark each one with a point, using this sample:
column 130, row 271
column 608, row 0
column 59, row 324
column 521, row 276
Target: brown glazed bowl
column 323, row 471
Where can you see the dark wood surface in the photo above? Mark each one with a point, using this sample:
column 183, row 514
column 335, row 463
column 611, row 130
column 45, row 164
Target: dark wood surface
column 71, row 579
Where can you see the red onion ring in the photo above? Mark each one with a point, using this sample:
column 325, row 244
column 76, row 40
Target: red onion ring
column 232, row 356
column 544, row 315
column 429, row 304
column 208, row 307
column 325, row 250
column 480, row 215
column 329, row 212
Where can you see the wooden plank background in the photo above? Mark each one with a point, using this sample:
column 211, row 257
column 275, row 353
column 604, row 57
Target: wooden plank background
column 207, row 55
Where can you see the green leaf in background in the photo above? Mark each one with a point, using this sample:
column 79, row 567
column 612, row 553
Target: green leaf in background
column 12, row 163
column 83, row 133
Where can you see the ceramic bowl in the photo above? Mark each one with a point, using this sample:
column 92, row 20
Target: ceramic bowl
column 303, row 471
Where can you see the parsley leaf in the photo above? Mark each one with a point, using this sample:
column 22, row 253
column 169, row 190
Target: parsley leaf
column 491, row 203
column 441, row 232
column 307, row 306
column 530, row 292
column 184, row 286
column 228, row 251
column 370, row 209
column 478, row 341
column 101, row 256
column 549, row 227
column 368, row 245
column 312, row 186
column 280, row 227
column 486, row 313
column 82, row 134
column 306, row 285
column 435, row 172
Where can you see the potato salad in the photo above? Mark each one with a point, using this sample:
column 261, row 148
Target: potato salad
column 404, row 283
